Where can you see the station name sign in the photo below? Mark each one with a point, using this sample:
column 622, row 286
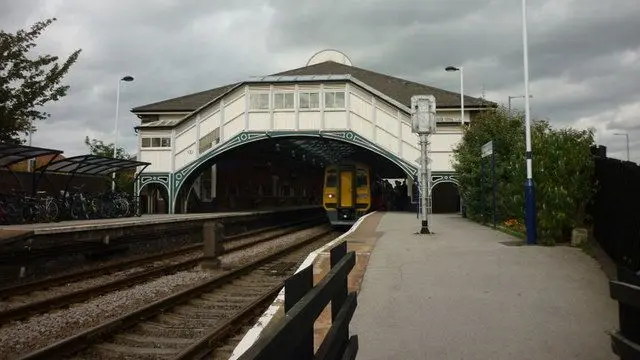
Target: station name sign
column 487, row 149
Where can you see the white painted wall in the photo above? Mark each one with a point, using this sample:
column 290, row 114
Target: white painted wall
column 383, row 124
column 452, row 113
column 186, row 138
column 209, row 120
column 160, row 160
column 185, row 156
column 441, row 161
column 370, row 116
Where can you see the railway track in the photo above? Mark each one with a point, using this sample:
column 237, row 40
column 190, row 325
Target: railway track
column 194, row 322
column 22, row 301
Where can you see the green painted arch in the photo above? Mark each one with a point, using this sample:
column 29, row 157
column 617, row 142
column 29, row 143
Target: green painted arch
column 444, row 178
column 247, row 137
column 163, row 179
column 142, row 186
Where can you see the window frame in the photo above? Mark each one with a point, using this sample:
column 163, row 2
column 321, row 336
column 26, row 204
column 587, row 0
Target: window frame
column 260, row 94
column 309, row 93
column 332, row 105
column 162, row 142
column 284, row 95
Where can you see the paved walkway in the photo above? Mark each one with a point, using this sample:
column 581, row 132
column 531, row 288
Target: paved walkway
column 462, row 294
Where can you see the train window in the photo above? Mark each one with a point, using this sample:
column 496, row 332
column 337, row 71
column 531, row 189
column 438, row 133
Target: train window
column 361, row 179
column 332, row 180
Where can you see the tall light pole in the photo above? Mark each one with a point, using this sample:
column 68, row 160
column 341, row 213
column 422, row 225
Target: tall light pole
column 627, row 136
column 423, row 114
column 30, row 162
column 516, row 97
column 529, row 188
column 115, row 141
column 461, row 69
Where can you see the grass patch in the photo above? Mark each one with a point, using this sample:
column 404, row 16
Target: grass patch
column 506, row 230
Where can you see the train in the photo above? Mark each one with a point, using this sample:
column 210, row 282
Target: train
column 346, row 192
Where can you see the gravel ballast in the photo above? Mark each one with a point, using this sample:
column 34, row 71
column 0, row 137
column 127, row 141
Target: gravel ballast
column 21, row 337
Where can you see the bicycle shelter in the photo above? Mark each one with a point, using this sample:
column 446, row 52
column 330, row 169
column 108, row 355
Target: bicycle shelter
column 11, row 154
column 90, row 165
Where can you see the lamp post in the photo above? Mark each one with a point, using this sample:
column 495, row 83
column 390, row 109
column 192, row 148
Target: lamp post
column 461, row 69
column 115, row 141
column 627, row 136
column 30, row 162
column 516, row 97
column 423, row 113
column 529, row 188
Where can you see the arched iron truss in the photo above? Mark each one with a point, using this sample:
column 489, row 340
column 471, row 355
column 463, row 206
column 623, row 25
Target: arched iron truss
column 176, row 180
column 443, row 177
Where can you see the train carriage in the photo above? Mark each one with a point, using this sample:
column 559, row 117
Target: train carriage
column 347, row 192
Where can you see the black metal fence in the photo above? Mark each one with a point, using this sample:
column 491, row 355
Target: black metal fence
column 292, row 338
column 626, row 290
column 616, row 210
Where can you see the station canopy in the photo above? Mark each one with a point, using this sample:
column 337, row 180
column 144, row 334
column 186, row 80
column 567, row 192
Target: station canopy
column 332, row 151
column 12, row 154
column 329, row 151
column 91, row 165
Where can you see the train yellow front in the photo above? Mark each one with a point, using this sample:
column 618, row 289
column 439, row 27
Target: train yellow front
column 346, row 192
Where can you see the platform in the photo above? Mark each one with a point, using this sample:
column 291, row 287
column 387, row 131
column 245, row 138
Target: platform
column 151, row 219
column 466, row 292
column 29, row 252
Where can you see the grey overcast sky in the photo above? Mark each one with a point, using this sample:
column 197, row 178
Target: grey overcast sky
column 584, row 54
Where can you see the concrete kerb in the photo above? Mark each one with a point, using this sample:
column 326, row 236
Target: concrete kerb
column 276, row 309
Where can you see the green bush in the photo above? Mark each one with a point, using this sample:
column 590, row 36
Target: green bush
column 562, row 170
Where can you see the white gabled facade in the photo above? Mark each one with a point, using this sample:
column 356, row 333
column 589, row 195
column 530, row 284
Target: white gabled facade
column 174, row 141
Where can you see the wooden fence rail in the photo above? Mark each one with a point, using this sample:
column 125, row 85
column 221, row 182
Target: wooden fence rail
column 626, row 290
column 292, row 338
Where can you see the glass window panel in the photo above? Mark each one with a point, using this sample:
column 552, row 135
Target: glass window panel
column 215, row 134
column 288, row 101
column 155, row 142
column 314, row 100
column 278, row 101
column 339, row 100
column 253, row 101
column 329, row 99
column 166, row 142
column 283, row 100
column 304, row 100
column 332, row 180
column 146, row 142
column 259, row 101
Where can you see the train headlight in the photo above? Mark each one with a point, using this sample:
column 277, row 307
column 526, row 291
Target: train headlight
column 330, row 196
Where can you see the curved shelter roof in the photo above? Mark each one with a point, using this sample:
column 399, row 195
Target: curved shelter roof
column 12, row 154
column 91, row 165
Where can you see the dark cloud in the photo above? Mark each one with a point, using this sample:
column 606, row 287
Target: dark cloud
column 583, row 55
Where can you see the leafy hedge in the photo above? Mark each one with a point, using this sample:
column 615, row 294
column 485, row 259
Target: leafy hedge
column 562, row 172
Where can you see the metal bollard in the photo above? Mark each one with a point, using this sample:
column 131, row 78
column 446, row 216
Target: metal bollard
column 212, row 244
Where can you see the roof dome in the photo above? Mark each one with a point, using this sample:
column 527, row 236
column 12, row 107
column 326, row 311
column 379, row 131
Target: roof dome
column 329, row 55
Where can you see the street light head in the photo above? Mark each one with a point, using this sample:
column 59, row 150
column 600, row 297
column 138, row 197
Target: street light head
column 127, row 78
column 451, row 68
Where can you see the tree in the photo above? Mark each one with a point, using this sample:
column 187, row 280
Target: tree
column 26, row 84
column 124, row 179
column 98, row 147
column 563, row 169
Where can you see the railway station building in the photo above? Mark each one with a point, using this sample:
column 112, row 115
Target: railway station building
column 265, row 141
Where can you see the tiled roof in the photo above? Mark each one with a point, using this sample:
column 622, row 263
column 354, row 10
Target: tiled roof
column 186, row 103
column 398, row 89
